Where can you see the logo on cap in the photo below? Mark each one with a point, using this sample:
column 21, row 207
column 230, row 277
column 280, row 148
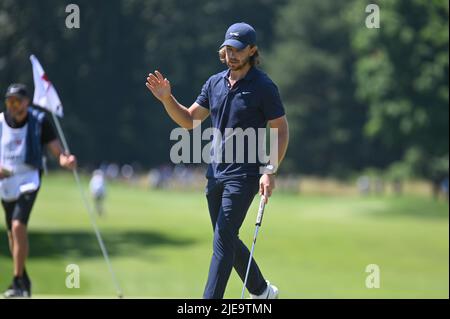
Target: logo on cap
column 239, row 35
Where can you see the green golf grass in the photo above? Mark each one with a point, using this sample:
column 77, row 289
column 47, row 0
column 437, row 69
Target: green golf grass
column 310, row 247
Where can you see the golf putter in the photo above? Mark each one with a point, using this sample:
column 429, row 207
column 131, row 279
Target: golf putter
column 258, row 224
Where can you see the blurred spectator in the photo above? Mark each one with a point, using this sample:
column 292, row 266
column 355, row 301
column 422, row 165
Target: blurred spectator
column 127, row 171
column 112, row 171
column 444, row 188
column 379, row 186
column 397, row 186
column 364, row 185
column 160, row 177
column 183, row 175
column 154, row 178
column 97, row 188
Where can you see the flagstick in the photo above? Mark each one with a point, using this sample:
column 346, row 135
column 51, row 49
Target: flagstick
column 88, row 208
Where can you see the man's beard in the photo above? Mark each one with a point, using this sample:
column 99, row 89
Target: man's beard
column 17, row 113
column 239, row 66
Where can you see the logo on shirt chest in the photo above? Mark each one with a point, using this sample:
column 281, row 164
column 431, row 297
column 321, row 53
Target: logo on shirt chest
column 245, row 100
column 14, row 144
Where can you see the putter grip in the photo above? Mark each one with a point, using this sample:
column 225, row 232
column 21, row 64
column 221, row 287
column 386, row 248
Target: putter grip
column 260, row 212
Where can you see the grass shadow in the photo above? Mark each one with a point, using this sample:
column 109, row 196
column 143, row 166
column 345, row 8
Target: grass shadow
column 44, row 244
column 413, row 207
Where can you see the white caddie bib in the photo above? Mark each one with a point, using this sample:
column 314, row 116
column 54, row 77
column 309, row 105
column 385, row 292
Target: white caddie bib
column 25, row 178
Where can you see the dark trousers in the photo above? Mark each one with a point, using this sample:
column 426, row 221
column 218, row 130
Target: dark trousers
column 228, row 202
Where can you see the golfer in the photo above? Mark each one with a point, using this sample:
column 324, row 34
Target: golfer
column 240, row 97
column 24, row 131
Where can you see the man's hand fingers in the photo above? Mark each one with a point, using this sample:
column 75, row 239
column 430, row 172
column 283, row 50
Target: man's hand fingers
column 267, row 192
column 150, row 86
column 159, row 75
column 153, row 78
column 68, row 160
column 261, row 189
column 72, row 161
column 154, row 85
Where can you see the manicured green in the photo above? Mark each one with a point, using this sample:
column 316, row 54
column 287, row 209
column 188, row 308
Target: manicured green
column 310, row 247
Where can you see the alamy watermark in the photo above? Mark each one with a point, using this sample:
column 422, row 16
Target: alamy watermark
column 234, row 145
column 373, row 19
column 73, row 277
column 374, row 277
column 73, row 17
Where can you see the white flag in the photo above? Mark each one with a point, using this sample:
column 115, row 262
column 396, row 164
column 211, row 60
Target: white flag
column 45, row 94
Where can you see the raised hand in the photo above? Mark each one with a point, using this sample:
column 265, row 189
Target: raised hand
column 158, row 85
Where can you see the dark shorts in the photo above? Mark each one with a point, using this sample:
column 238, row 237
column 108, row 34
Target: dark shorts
column 19, row 209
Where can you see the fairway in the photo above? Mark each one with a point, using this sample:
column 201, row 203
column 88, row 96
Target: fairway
column 310, row 247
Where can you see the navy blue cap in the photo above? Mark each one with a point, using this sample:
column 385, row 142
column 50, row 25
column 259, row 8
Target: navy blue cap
column 17, row 90
column 239, row 35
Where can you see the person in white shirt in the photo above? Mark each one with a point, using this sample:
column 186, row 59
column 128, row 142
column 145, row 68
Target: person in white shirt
column 24, row 133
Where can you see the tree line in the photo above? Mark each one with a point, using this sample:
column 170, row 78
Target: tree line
column 356, row 97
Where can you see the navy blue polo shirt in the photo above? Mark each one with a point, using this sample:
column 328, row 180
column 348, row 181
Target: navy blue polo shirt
column 250, row 103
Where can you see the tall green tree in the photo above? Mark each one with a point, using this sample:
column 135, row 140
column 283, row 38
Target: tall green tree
column 100, row 69
column 401, row 72
column 312, row 62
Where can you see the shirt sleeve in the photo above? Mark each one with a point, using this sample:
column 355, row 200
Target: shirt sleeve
column 203, row 98
column 272, row 107
column 48, row 133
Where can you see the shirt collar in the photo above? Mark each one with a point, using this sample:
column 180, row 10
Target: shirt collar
column 248, row 77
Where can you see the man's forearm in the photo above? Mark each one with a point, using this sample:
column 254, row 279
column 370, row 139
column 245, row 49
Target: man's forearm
column 55, row 148
column 283, row 142
column 65, row 160
column 282, row 131
column 177, row 112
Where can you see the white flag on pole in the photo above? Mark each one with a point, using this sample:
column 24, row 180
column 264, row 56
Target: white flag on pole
column 45, row 94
